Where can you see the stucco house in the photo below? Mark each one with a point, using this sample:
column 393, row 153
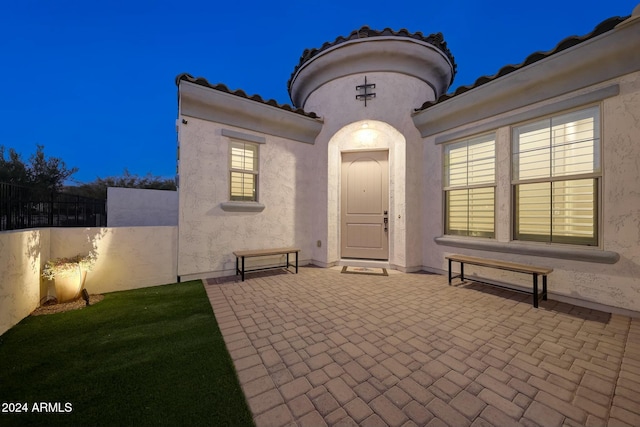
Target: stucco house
column 376, row 163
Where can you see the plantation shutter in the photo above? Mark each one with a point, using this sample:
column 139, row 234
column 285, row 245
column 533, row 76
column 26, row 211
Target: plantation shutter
column 470, row 187
column 244, row 171
column 556, row 167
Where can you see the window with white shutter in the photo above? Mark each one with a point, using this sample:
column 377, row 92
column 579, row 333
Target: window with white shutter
column 469, row 187
column 244, row 171
column 556, row 178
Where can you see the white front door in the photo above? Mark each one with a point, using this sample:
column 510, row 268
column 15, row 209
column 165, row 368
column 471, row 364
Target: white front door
column 365, row 205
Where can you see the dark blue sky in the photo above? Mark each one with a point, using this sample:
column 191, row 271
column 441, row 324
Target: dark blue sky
column 94, row 81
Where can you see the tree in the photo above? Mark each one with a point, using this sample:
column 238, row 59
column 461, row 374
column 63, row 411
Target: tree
column 46, row 174
column 49, row 173
column 13, row 170
column 98, row 188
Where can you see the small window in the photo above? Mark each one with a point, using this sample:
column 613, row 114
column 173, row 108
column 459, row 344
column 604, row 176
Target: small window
column 469, row 187
column 556, row 173
column 244, row 172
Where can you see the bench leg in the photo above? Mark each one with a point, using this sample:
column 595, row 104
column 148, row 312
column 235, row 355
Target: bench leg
column 461, row 275
column 237, row 269
column 535, row 290
column 544, row 287
column 242, row 269
column 296, row 262
column 287, row 267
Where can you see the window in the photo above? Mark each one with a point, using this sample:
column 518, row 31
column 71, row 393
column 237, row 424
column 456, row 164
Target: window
column 469, row 186
column 556, row 172
column 244, row 171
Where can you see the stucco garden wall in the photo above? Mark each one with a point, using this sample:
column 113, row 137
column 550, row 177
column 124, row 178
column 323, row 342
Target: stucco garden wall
column 208, row 233
column 132, row 207
column 20, row 262
column 127, row 258
column 583, row 282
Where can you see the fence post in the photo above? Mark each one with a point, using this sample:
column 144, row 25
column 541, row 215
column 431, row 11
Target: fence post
column 51, row 209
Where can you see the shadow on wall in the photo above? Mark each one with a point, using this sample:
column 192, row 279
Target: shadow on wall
column 92, row 239
column 20, row 259
column 34, row 250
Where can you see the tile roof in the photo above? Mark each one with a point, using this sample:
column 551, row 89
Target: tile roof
column 603, row 27
column 436, row 40
column 223, row 88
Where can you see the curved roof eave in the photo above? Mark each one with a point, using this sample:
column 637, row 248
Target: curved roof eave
column 437, row 40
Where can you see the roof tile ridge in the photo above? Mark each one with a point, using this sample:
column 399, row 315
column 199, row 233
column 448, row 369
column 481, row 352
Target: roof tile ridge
column 201, row 81
column 566, row 43
column 435, row 39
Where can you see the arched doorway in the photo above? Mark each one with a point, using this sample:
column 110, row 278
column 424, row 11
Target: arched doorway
column 369, row 147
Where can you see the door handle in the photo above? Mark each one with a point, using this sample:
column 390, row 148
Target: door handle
column 386, row 221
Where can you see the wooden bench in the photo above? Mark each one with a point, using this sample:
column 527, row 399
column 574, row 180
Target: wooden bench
column 503, row 265
column 241, row 255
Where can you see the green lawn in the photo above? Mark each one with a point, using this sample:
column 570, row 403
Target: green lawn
column 152, row 356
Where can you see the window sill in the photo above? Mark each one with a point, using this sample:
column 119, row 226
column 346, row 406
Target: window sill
column 242, row 206
column 541, row 250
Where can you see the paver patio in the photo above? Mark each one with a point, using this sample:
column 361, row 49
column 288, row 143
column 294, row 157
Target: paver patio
column 323, row 348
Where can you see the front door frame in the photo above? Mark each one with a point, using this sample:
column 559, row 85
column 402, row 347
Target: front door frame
column 387, row 208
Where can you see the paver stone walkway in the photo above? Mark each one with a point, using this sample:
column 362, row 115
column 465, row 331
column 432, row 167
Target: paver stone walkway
column 323, row 348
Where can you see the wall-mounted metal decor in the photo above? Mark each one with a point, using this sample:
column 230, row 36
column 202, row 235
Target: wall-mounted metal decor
column 366, row 94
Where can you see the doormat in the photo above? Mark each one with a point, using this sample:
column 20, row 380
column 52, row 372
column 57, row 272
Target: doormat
column 371, row 271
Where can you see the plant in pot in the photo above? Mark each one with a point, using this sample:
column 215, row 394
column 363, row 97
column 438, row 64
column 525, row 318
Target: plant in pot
column 68, row 275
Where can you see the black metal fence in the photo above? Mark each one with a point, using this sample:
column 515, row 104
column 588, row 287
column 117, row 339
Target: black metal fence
column 25, row 207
